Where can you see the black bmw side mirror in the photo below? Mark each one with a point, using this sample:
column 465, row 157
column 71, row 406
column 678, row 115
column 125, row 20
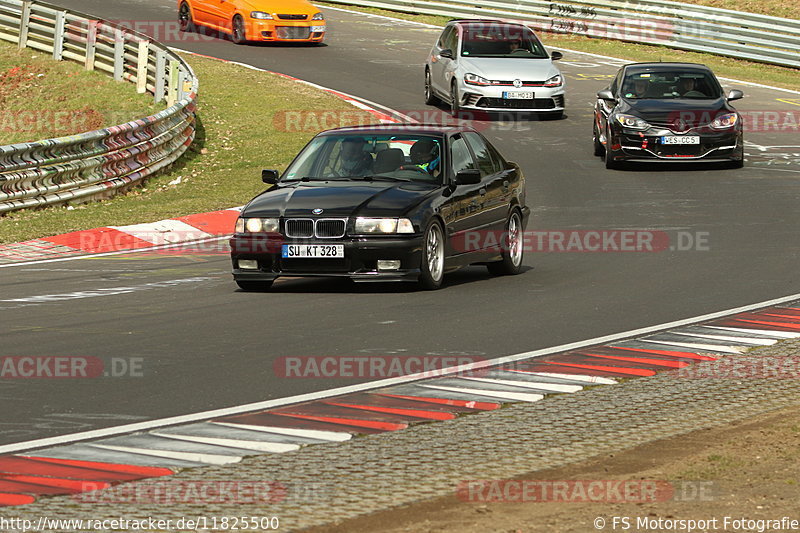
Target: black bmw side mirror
column 469, row 176
column 446, row 53
column 555, row 56
column 269, row 176
column 735, row 94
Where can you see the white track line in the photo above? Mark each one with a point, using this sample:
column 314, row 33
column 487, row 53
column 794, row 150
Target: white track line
column 317, row 434
column 501, row 395
column 361, row 387
column 256, row 446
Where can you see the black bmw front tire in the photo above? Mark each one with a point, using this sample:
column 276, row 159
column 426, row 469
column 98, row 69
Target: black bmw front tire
column 432, row 267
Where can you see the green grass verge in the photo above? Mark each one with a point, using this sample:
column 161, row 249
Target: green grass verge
column 39, row 100
column 723, row 66
column 241, row 129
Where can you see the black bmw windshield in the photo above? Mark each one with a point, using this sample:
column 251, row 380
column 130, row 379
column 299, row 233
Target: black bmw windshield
column 369, row 157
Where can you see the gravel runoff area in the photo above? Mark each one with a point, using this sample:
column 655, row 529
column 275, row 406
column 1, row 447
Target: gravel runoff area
column 328, row 483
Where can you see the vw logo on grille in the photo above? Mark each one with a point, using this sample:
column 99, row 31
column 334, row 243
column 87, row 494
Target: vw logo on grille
column 518, row 83
column 317, row 211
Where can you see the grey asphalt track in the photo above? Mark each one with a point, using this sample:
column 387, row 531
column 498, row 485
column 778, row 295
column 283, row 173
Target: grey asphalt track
column 201, row 345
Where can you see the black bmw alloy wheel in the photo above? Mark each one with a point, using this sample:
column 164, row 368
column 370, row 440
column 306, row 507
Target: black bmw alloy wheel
column 513, row 250
column 432, row 267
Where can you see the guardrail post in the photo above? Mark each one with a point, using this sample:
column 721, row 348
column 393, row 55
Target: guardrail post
column 141, row 67
column 161, row 73
column 58, row 36
column 24, row 21
column 174, row 78
column 119, row 54
column 185, row 87
column 91, row 44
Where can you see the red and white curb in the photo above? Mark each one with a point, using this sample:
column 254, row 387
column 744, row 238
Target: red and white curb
column 110, row 239
column 94, row 464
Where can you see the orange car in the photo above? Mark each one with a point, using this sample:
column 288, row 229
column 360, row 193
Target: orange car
column 255, row 20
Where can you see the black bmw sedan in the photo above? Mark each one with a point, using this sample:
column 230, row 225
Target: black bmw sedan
column 392, row 202
column 667, row 112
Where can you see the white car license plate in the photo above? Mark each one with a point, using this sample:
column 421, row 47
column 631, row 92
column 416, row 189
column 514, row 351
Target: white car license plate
column 680, row 139
column 517, row 95
column 312, row 251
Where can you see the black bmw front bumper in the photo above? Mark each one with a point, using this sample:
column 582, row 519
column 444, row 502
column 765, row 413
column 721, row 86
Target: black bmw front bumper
column 360, row 262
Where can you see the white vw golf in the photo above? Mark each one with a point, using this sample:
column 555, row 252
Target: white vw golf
column 494, row 66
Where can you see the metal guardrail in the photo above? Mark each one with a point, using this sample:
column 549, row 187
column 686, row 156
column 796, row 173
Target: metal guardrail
column 694, row 28
column 98, row 163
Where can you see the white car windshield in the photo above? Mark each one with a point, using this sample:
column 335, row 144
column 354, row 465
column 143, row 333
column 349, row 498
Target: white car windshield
column 498, row 41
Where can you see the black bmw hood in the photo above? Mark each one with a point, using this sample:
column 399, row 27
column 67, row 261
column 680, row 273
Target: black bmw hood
column 339, row 199
column 668, row 110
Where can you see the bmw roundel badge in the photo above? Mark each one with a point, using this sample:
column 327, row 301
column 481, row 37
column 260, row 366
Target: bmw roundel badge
column 317, row 211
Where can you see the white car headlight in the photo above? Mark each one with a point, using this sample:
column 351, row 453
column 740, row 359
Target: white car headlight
column 260, row 15
column 383, row 225
column 257, row 225
column 318, row 16
column 555, row 81
column 725, row 121
column 635, row 123
column 474, row 79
